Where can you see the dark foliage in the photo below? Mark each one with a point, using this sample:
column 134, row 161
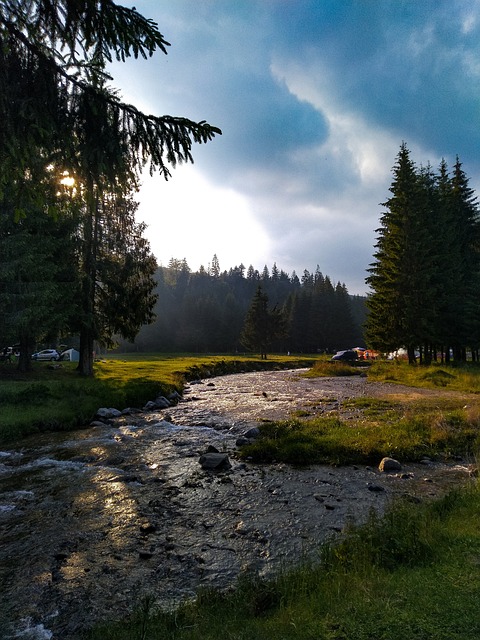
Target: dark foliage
column 205, row 311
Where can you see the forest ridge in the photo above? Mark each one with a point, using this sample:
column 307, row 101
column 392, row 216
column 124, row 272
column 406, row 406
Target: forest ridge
column 204, row 311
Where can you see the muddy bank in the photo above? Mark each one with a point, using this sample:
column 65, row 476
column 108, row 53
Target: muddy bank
column 93, row 521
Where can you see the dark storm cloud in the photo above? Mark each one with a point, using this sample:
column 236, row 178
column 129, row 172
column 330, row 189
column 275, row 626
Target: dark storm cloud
column 314, row 99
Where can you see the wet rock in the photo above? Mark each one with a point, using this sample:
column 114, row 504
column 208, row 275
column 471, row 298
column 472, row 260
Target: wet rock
column 130, row 411
column 252, row 433
column 147, row 527
column 215, row 462
column 107, row 413
column 248, row 437
column 174, row 397
column 389, row 464
column 426, row 461
column 97, row 423
column 377, row 488
column 159, row 403
column 212, row 449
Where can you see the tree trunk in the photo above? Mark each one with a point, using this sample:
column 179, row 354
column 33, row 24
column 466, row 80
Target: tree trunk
column 24, row 361
column 411, row 355
column 85, row 363
column 87, row 331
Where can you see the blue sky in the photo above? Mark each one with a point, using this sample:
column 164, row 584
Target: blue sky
column 314, row 98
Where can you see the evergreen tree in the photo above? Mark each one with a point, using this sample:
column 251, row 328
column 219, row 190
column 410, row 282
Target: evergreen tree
column 396, row 277
column 425, row 280
column 52, row 77
column 466, row 249
column 38, row 287
column 215, row 267
column 262, row 325
column 124, row 296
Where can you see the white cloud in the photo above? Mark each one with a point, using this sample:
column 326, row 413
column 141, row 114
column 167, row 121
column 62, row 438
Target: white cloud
column 190, row 218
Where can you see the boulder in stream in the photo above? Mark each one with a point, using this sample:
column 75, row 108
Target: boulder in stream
column 215, row 462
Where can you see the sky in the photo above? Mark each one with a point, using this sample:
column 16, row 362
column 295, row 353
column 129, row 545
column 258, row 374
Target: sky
column 314, row 99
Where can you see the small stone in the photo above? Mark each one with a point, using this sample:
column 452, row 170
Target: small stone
column 389, row 464
column 104, row 412
column 212, row 449
column 147, row 527
column 254, row 432
column 375, row 487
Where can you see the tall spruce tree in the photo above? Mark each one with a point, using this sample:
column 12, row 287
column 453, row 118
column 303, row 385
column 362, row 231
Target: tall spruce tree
column 262, row 325
column 466, row 248
column 38, row 287
column 425, row 279
column 396, row 275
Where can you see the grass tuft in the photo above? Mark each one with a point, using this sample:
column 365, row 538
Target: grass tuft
column 326, row 369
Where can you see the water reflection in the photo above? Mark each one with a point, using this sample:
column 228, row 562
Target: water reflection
column 90, row 522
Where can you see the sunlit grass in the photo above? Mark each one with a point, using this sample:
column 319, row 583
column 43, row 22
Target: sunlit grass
column 56, row 397
column 375, row 428
column 326, row 369
column 463, row 377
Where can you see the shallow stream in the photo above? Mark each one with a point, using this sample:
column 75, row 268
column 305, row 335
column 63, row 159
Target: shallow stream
column 93, row 521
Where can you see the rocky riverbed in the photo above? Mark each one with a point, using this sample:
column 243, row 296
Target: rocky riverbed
column 93, row 521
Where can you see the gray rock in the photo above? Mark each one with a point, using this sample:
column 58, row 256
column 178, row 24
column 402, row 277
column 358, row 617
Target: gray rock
column 130, row 411
column 252, row 433
column 376, row 488
column 103, row 412
column 162, row 402
column 389, row 464
column 159, row 403
column 97, row 423
column 174, row 397
column 215, row 462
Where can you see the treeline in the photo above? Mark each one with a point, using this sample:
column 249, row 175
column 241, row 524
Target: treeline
column 426, row 274
column 205, row 311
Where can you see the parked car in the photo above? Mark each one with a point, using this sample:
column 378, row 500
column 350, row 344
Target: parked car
column 348, row 355
column 46, row 354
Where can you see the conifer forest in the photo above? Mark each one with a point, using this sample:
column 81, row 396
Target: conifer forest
column 205, row 311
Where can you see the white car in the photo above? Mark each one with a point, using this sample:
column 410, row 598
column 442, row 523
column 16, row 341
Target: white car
column 46, row 354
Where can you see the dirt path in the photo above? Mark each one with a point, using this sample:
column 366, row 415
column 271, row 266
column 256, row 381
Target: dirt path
column 93, row 521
